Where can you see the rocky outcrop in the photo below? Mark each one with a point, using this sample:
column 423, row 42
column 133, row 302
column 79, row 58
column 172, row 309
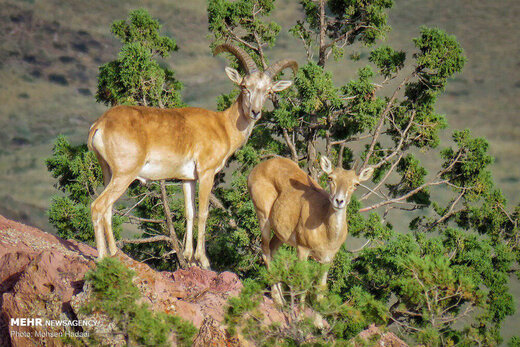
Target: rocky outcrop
column 41, row 275
column 374, row 336
column 213, row 334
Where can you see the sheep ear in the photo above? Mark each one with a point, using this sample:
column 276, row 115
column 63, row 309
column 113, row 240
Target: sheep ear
column 366, row 174
column 281, row 85
column 233, row 75
column 326, row 165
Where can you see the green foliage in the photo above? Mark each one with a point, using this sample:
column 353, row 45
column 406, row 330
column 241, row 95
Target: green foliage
column 315, row 90
column 143, row 29
column 136, row 77
column 435, row 282
column 304, row 304
column 235, row 248
column 300, row 288
column 149, row 205
column 371, row 227
column 472, row 160
column 387, row 60
column 350, row 21
column 413, row 176
column 114, row 294
column 429, row 284
column 225, row 16
column 78, row 177
column 75, row 168
column 440, row 54
column 363, row 107
column 514, row 342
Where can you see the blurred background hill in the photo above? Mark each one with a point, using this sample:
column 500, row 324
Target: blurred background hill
column 50, row 51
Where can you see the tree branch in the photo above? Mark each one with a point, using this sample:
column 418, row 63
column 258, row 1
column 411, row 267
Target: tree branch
column 350, row 139
column 399, row 145
column 259, row 44
column 323, row 48
column 357, row 250
column 137, row 203
column 237, row 38
column 157, row 238
column 173, row 236
column 379, row 126
column 392, row 168
column 290, row 144
column 449, row 213
column 401, row 198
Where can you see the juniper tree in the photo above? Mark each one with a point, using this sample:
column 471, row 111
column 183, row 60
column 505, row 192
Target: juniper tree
column 455, row 260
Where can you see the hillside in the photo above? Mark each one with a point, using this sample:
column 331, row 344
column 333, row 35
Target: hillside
column 50, row 51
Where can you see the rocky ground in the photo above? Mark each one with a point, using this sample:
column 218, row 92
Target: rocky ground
column 42, row 275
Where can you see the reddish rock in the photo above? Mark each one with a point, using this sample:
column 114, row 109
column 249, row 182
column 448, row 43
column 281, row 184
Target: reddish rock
column 192, row 294
column 211, row 334
column 42, row 275
column 39, row 274
column 377, row 337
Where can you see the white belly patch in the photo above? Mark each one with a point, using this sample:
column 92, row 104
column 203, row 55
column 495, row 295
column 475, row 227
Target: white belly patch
column 156, row 168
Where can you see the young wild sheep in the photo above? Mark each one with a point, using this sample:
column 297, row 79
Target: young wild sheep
column 299, row 211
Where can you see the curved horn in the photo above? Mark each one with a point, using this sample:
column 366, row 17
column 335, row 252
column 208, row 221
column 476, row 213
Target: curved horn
column 245, row 60
column 280, row 65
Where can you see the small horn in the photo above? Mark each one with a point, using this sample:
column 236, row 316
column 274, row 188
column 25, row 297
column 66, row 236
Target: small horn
column 355, row 167
column 340, row 156
column 245, row 59
column 280, row 65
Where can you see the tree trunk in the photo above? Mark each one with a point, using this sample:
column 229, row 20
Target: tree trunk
column 312, row 155
column 322, row 57
column 173, row 236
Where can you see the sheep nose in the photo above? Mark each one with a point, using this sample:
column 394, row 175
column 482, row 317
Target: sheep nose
column 255, row 114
